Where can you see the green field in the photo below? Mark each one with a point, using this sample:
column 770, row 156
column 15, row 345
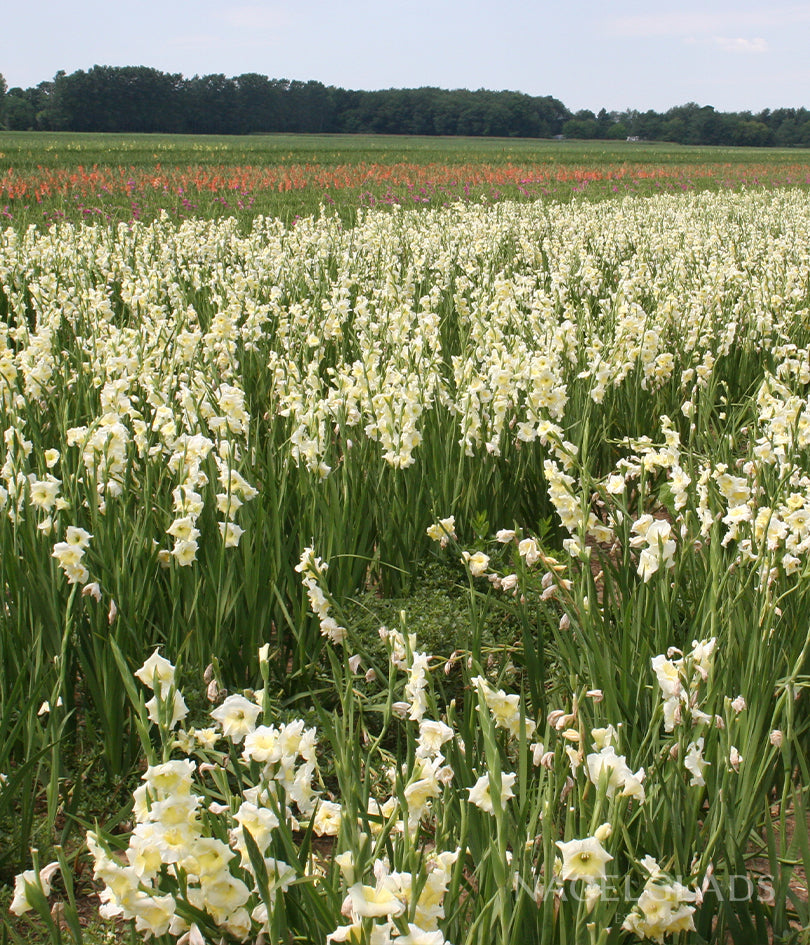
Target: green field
column 29, row 150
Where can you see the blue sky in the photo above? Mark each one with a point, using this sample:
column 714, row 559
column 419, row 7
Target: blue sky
column 615, row 54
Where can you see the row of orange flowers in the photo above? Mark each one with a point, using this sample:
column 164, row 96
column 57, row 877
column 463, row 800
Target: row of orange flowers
column 48, row 182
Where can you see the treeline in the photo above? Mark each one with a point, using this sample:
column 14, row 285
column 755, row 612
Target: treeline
column 141, row 99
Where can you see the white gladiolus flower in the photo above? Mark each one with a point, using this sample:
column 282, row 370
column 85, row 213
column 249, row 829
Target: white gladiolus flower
column 68, row 555
column 374, row 902
column 19, row 902
column 432, row 736
column 481, row 796
column 583, row 859
column 505, row 709
column 231, row 533
column 185, row 552
column 695, row 763
column 668, row 676
column 170, row 778
column 347, row 933
column 528, row 549
column 237, row 716
column 208, row 857
column 477, row 563
column 156, row 669
column 618, row 773
column 326, row 822
column 419, row 936
column 443, row 531
column 43, row 493
column 259, row 822
column 179, row 709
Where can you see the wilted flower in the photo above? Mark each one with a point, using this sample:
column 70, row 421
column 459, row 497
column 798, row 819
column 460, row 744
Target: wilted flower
column 738, row 704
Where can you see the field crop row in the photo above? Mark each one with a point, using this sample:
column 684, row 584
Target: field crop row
column 111, row 179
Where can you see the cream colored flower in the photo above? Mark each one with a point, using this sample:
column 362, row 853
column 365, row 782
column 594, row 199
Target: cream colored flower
column 326, row 822
column 583, row 859
column 481, row 792
column 42, row 880
column 231, row 533
column 374, row 901
column 179, row 709
column 432, row 736
column 477, row 563
column 695, row 763
column 237, row 716
column 443, row 531
column 156, row 669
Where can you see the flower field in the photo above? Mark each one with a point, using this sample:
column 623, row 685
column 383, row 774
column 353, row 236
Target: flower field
column 223, row 443
column 116, row 193
column 51, row 178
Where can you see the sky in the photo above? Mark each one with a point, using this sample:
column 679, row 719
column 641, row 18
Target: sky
column 613, row 54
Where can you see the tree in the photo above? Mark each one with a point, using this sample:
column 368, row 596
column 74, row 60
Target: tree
column 551, row 113
column 581, row 127
column 310, row 107
column 43, row 103
column 260, row 104
column 20, row 115
column 754, row 134
column 605, row 121
column 211, row 105
column 142, row 99
column 617, row 131
column 3, row 88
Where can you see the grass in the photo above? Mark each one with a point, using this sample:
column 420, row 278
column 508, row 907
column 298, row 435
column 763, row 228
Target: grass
column 24, row 150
